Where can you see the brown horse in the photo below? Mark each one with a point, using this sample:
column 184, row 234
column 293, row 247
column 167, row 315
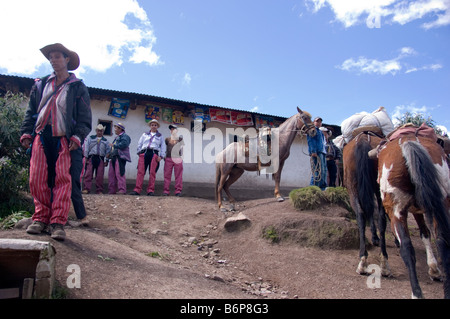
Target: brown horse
column 230, row 166
column 413, row 174
column 360, row 179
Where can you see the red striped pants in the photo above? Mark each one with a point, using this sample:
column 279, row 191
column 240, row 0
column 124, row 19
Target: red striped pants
column 47, row 209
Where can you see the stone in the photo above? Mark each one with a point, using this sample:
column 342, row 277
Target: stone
column 237, row 223
column 40, row 261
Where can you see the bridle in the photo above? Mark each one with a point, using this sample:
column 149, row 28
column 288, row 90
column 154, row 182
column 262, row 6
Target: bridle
column 305, row 127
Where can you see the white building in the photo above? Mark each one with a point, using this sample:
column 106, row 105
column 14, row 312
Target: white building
column 200, row 148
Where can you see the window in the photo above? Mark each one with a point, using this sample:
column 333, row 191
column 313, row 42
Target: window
column 108, row 127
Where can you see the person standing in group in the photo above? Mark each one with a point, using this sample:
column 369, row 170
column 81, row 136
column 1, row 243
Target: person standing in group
column 173, row 161
column 95, row 150
column 333, row 155
column 316, row 148
column 119, row 155
column 76, row 169
column 151, row 149
column 57, row 120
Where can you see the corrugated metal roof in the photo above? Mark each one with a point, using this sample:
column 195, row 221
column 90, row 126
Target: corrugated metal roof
column 164, row 100
column 147, row 97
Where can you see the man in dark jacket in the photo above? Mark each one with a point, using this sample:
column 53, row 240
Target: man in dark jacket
column 57, row 120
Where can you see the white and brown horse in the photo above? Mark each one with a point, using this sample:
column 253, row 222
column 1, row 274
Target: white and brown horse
column 413, row 175
column 360, row 179
column 229, row 168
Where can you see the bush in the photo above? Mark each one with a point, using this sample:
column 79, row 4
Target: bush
column 14, row 163
column 312, row 197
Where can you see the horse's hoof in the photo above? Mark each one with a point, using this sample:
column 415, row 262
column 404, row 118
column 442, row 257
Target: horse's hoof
column 362, row 266
column 232, row 209
column 385, row 269
column 280, row 199
column 223, row 209
column 435, row 273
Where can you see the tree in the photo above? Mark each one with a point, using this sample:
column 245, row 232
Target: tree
column 14, row 162
column 417, row 119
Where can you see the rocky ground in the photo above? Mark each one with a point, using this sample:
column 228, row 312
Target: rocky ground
column 178, row 247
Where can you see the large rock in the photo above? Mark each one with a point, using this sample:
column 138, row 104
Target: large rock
column 237, row 223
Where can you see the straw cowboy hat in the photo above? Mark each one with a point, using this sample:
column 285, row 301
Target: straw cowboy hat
column 120, row 125
column 74, row 62
column 154, row 121
column 100, row 127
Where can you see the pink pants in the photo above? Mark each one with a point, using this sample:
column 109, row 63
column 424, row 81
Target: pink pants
column 115, row 180
column 176, row 165
column 47, row 209
column 141, row 174
column 98, row 179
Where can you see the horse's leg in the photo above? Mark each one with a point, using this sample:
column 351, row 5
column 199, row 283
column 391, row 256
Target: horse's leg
column 222, row 181
column 425, row 235
column 277, row 178
column 234, row 175
column 382, row 222
column 361, row 219
column 373, row 229
column 400, row 229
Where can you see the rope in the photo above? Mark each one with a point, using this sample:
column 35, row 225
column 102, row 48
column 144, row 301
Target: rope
column 316, row 169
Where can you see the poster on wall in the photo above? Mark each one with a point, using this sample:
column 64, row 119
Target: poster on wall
column 152, row 113
column 231, row 117
column 119, row 107
column 218, row 115
column 264, row 121
column 241, row 118
column 201, row 113
column 177, row 117
column 167, row 115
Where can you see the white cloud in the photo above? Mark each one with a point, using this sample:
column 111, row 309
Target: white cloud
column 382, row 67
column 254, row 109
column 352, row 12
column 186, row 79
column 105, row 33
column 370, row 66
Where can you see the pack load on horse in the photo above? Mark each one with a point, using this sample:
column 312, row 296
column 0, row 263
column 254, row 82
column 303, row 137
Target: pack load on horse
column 413, row 174
column 268, row 153
column 361, row 133
column 377, row 119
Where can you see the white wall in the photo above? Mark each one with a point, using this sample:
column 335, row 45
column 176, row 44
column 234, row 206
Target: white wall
column 296, row 171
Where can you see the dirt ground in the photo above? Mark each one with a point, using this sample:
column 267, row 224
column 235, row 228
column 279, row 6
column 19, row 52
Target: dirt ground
column 143, row 247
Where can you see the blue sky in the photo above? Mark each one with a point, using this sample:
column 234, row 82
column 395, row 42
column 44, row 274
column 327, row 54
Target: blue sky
column 333, row 58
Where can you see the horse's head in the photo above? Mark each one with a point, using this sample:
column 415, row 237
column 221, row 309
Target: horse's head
column 304, row 123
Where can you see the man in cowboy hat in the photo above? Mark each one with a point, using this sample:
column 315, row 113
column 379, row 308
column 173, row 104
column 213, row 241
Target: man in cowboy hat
column 95, row 151
column 317, row 151
column 151, row 149
column 57, row 120
column 119, row 155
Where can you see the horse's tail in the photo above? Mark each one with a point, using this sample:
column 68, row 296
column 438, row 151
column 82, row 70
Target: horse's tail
column 430, row 197
column 366, row 178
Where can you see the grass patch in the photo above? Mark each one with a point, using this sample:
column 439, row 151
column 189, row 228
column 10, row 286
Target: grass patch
column 312, row 197
column 271, row 234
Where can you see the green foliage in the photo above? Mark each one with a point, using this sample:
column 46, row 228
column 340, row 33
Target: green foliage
column 312, row 197
column 271, row 234
column 307, row 198
column 11, row 220
column 14, row 162
column 417, row 119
